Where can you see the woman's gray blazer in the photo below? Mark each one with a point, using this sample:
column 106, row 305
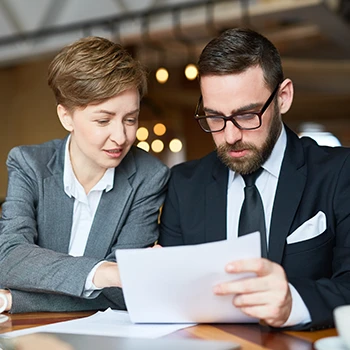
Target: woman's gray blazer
column 37, row 219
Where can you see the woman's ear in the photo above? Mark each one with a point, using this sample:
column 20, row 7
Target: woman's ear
column 65, row 117
column 285, row 96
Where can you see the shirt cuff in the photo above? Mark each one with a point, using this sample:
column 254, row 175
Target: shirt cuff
column 300, row 313
column 89, row 286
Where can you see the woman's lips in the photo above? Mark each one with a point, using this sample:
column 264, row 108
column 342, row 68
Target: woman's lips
column 114, row 153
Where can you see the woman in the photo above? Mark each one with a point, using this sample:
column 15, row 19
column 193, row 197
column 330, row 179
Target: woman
column 71, row 203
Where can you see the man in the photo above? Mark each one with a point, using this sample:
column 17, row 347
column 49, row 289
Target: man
column 304, row 189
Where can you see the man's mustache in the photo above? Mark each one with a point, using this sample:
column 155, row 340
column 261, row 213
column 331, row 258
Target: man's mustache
column 237, row 146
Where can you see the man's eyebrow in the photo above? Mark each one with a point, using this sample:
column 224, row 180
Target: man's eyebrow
column 243, row 109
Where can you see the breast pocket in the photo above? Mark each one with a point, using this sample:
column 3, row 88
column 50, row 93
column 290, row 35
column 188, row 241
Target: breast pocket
column 310, row 258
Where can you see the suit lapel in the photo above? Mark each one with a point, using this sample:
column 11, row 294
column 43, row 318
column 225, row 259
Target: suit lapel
column 289, row 191
column 215, row 205
column 58, row 206
column 110, row 210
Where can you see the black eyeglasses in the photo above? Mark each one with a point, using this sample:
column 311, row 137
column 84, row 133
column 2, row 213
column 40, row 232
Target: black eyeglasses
column 243, row 121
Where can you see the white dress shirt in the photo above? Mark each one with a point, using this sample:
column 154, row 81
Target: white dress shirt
column 266, row 184
column 84, row 210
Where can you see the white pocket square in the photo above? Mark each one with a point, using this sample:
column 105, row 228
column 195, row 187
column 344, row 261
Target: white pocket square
column 309, row 229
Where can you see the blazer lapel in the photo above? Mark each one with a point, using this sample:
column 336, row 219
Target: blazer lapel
column 58, row 206
column 215, row 206
column 110, row 211
column 289, row 191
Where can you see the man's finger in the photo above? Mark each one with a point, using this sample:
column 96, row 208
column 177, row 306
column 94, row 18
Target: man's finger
column 243, row 286
column 260, row 266
column 252, row 299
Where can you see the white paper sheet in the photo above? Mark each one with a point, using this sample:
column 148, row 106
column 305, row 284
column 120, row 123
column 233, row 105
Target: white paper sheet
column 108, row 323
column 175, row 284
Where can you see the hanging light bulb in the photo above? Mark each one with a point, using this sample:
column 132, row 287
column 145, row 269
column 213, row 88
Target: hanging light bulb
column 175, row 145
column 191, row 71
column 143, row 145
column 162, row 75
column 157, row 146
column 159, row 129
column 142, row 133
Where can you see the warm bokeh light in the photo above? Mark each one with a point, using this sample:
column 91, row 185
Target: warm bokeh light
column 175, row 145
column 162, row 75
column 318, row 132
column 143, row 145
column 191, row 71
column 159, row 129
column 142, row 133
column 157, row 146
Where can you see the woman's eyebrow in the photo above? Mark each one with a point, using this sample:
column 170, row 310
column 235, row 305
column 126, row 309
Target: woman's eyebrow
column 137, row 110
column 105, row 111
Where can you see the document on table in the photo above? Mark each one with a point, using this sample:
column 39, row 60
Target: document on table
column 175, row 284
column 107, row 323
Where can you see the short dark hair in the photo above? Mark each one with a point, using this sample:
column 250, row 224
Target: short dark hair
column 236, row 50
column 92, row 70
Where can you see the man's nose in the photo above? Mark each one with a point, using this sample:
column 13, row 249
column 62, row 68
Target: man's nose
column 232, row 133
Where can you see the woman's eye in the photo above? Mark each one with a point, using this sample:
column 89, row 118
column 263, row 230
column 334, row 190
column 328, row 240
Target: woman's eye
column 130, row 121
column 102, row 122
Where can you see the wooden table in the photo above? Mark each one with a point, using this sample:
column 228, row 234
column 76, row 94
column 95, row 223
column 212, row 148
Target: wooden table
column 250, row 336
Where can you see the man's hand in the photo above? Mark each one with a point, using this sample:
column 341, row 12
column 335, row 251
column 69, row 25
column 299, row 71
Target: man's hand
column 8, row 295
column 266, row 296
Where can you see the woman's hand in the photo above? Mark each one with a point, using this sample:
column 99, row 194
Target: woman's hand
column 5, row 300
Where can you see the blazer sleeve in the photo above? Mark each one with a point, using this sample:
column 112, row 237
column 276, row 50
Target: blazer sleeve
column 24, row 301
column 23, row 263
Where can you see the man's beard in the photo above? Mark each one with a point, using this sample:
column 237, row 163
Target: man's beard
column 247, row 165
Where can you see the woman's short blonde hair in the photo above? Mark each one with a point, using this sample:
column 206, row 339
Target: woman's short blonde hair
column 92, row 70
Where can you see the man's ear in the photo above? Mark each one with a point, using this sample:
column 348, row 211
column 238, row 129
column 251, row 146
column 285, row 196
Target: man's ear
column 65, row 117
column 285, row 95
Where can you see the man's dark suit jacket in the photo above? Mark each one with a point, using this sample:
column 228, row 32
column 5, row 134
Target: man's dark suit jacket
column 312, row 179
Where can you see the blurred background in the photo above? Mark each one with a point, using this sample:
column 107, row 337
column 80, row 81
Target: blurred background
column 313, row 37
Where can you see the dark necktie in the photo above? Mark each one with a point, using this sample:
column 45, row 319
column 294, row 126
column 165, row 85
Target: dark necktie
column 252, row 216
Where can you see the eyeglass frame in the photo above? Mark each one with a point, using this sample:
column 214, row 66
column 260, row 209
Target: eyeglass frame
column 232, row 116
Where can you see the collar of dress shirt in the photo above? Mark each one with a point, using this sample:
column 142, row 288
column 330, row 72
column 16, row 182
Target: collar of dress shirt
column 72, row 185
column 274, row 162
